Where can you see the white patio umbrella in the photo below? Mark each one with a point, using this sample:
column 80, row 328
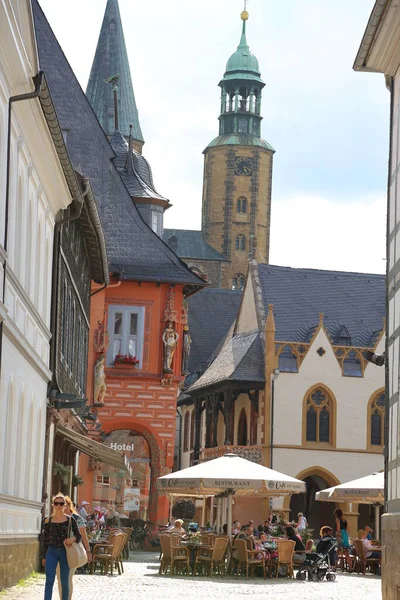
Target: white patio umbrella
column 230, row 473
column 366, row 490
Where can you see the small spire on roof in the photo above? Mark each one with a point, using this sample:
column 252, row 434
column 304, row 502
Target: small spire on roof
column 270, row 322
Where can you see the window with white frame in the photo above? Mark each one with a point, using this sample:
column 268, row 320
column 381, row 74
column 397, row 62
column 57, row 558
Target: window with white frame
column 156, row 221
column 126, row 331
column 103, row 480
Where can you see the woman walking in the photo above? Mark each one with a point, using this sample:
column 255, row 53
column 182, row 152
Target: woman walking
column 342, row 536
column 69, row 509
column 59, row 531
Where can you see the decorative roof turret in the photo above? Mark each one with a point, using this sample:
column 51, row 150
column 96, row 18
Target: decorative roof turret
column 241, row 88
column 111, row 64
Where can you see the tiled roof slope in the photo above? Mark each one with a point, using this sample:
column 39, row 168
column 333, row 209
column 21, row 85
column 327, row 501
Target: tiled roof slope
column 134, row 250
column 240, row 359
column 191, row 244
column 211, row 313
column 353, row 300
column 111, row 59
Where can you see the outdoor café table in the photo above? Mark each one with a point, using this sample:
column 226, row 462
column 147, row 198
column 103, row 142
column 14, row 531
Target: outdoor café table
column 193, row 548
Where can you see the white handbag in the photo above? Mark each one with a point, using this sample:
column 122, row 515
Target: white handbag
column 76, row 553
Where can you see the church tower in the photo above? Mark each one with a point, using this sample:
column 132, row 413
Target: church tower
column 110, row 93
column 111, row 70
column 238, row 170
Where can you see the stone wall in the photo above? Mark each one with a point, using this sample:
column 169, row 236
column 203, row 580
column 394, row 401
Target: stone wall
column 18, row 559
column 390, row 556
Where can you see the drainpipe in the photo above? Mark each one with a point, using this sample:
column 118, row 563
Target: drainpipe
column 37, row 80
column 390, row 86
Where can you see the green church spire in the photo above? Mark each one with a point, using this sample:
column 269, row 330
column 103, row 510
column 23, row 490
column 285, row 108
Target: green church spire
column 110, row 61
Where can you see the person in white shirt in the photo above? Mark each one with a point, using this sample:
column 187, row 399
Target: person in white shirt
column 370, row 551
column 301, row 521
column 83, row 510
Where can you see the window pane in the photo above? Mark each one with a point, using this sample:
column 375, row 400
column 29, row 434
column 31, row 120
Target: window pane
column 118, row 323
column 324, row 425
column 376, row 429
column 133, row 326
column 318, row 397
column 132, row 347
column 311, row 425
column 116, row 348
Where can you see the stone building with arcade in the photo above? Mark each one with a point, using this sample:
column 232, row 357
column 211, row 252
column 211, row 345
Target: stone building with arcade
column 290, row 387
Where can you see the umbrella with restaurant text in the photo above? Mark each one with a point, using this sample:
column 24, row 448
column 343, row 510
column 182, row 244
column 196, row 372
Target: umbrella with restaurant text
column 231, row 474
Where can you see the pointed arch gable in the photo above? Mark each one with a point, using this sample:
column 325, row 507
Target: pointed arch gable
column 332, row 416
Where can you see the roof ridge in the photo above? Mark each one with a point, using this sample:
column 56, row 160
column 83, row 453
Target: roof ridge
column 320, row 271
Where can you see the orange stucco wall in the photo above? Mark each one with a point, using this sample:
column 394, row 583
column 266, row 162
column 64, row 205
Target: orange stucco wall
column 137, row 400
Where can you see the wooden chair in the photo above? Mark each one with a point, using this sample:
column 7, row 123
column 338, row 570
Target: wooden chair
column 128, row 531
column 165, row 558
column 214, row 556
column 362, row 561
column 246, row 558
column 285, row 555
column 121, row 553
column 108, row 554
column 179, row 554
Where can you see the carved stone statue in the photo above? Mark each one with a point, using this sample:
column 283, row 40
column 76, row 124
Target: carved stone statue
column 99, row 384
column 187, row 342
column 170, row 339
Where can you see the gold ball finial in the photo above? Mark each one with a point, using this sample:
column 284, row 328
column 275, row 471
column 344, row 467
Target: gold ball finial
column 244, row 15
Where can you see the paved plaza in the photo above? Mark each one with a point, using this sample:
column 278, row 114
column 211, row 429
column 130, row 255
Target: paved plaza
column 141, row 580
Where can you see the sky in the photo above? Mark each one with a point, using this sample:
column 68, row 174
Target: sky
column 327, row 123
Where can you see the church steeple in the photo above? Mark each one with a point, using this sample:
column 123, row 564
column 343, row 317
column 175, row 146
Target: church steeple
column 241, row 90
column 111, row 60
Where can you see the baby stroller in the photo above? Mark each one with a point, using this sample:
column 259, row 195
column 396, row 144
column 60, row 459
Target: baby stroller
column 318, row 566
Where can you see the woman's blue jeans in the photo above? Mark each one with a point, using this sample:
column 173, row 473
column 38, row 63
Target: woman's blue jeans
column 53, row 557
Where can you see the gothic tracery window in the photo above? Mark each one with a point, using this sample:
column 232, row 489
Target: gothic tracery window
column 240, row 242
column 377, row 418
column 238, row 282
column 319, row 417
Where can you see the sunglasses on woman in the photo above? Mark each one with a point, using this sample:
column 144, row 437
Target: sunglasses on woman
column 59, row 503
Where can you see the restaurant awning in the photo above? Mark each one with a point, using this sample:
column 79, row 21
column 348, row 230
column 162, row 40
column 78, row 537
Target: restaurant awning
column 94, row 449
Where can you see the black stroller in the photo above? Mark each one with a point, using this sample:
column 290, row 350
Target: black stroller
column 318, row 566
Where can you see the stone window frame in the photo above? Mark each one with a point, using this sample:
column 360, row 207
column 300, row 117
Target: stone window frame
column 125, row 336
column 329, row 404
column 371, row 408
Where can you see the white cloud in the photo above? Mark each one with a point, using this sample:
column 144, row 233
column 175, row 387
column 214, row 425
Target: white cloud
column 324, row 233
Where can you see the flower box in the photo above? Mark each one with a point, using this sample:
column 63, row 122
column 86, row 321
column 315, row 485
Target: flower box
column 125, row 361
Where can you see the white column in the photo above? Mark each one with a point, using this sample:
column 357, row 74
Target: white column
column 203, row 512
column 377, row 532
column 218, row 521
column 171, row 501
column 229, row 520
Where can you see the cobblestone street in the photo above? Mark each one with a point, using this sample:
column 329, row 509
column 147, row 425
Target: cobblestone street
column 141, row 580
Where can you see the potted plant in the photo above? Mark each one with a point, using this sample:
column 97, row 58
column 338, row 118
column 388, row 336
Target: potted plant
column 184, row 509
column 124, row 361
column 60, row 469
column 77, row 480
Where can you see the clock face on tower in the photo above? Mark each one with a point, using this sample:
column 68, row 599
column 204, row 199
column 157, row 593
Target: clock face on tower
column 243, row 166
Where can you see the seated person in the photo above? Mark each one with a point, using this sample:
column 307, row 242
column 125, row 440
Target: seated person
column 260, row 529
column 262, row 544
column 235, row 527
column 247, row 533
column 325, row 542
column 177, row 528
column 299, row 546
column 368, row 547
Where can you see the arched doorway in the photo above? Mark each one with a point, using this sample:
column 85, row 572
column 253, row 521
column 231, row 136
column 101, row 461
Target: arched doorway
column 147, row 461
column 316, row 513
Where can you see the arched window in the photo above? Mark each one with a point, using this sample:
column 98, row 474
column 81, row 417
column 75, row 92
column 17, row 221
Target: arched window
column 238, row 282
column 192, row 430
column 240, row 242
column 242, row 429
column 319, row 418
column 186, row 432
column 376, row 420
column 241, row 205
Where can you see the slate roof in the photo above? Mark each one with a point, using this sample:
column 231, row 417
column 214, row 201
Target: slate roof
column 351, row 302
column 111, row 59
column 134, row 169
column 134, row 250
column 240, row 360
column 211, row 313
column 191, row 244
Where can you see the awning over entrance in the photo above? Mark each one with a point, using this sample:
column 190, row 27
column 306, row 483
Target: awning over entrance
column 94, row 449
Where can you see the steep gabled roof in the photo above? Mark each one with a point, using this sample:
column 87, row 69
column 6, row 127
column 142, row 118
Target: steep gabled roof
column 111, row 59
column 188, row 243
column 211, row 314
column 354, row 301
column 134, row 250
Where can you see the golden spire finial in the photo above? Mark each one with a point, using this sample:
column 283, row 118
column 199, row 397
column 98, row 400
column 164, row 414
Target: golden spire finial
column 244, row 14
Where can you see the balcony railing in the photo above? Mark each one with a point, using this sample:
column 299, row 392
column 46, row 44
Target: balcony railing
column 253, row 453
